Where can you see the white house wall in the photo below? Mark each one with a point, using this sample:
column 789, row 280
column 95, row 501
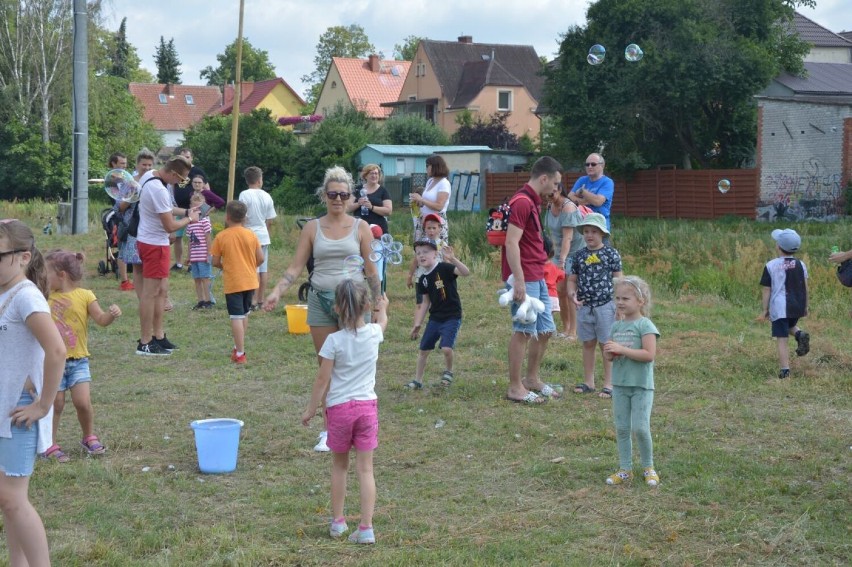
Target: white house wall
column 801, row 160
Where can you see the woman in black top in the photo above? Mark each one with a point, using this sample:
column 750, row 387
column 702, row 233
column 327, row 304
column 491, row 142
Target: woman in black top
column 377, row 203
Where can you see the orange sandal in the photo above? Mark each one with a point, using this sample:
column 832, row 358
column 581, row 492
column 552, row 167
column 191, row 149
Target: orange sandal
column 92, row 445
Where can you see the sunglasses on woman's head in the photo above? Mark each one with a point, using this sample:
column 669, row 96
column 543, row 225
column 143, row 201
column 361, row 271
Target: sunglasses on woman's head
column 332, row 195
column 10, row 253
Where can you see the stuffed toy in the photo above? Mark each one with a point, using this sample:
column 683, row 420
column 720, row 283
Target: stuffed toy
column 528, row 311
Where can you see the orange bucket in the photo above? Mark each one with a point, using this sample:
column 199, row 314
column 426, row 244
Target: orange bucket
column 297, row 319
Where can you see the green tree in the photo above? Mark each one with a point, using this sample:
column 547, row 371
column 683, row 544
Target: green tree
column 260, row 142
column 335, row 141
column 406, row 50
column 255, row 65
column 492, row 132
column 337, row 41
column 121, row 59
column 116, row 122
column 413, row 130
column 689, row 101
column 168, row 64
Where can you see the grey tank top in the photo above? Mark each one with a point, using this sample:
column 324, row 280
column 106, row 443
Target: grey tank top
column 329, row 254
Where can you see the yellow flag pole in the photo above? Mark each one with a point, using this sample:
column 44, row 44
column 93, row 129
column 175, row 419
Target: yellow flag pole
column 235, row 108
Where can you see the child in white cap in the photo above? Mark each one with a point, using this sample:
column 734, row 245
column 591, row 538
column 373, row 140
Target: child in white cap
column 785, row 296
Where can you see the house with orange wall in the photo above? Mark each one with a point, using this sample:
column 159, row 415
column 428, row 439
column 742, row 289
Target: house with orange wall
column 448, row 78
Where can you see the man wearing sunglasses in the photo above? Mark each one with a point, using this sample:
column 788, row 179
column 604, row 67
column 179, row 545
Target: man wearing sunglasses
column 156, row 222
column 594, row 189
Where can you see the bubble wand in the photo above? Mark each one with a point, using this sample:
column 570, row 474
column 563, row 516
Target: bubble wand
column 389, row 250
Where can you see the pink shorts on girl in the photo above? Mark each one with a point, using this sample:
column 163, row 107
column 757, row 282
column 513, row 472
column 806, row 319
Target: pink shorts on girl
column 353, row 424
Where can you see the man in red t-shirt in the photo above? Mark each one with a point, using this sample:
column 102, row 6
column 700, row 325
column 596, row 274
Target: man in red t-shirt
column 523, row 257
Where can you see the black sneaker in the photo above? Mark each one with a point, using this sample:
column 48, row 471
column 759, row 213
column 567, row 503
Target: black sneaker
column 152, row 348
column 199, row 305
column 176, row 267
column 165, row 344
column 803, row 339
column 785, row 373
column 207, row 305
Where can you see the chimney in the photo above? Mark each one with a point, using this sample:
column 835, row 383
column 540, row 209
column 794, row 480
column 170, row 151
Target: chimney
column 374, row 63
column 465, row 39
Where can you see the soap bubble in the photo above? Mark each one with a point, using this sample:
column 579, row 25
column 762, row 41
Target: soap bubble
column 633, row 53
column 353, row 265
column 724, row 185
column 120, row 186
column 375, row 256
column 395, row 258
column 377, row 245
column 597, row 54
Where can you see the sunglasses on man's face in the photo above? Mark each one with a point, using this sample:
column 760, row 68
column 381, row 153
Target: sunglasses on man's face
column 592, row 164
column 332, row 195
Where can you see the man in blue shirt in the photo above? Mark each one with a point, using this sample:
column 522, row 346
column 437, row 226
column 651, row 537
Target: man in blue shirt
column 594, row 189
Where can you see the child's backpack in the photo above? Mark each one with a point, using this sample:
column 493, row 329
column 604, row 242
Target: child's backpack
column 498, row 221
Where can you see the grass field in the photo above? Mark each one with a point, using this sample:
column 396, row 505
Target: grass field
column 754, row 471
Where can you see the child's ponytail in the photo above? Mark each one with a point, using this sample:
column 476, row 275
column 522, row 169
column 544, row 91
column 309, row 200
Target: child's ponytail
column 351, row 300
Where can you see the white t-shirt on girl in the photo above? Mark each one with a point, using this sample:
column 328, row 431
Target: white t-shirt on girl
column 354, row 354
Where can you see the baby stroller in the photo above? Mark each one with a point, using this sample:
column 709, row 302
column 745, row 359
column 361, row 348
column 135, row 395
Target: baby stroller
column 110, row 218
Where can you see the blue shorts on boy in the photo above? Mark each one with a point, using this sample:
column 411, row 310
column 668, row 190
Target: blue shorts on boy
column 445, row 331
column 201, row 270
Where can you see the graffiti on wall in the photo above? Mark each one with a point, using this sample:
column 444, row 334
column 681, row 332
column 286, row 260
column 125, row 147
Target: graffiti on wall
column 465, row 195
column 811, row 192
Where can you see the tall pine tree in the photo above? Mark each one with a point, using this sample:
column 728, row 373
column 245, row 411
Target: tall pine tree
column 121, row 53
column 168, row 64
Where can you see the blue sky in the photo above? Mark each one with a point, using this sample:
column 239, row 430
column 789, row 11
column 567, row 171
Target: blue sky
column 289, row 29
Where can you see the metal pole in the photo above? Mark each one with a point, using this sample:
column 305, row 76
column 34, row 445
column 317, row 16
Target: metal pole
column 235, row 108
column 80, row 146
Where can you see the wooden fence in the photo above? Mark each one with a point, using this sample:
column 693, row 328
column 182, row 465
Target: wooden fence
column 661, row 193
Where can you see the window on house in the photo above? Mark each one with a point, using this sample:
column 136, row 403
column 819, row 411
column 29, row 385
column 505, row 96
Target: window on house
column 163, row 99
column 189, row 99
column 504, row 101
column 334, row 84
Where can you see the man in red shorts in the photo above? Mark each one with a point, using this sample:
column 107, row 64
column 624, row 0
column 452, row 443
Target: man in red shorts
column 156, row 222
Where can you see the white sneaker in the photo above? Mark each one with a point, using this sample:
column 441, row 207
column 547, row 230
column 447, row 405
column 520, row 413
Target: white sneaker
column 321, row 446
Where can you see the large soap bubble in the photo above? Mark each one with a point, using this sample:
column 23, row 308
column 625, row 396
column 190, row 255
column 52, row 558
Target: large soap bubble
column 120, row 186
column 633, row 53
column 353, row 265
column 724, row 185
column 597, row 54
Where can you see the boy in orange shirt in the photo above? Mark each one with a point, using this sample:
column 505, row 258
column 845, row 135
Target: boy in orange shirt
column 237, row 251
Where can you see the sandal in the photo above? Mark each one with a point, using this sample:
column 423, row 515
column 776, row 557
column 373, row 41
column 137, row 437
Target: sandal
column 92, row 445
column 414, row 385
column 551, row 391
column 583, row 388
column 606, row 393
column 531, row 399
column 55, row 452
column 446, row 378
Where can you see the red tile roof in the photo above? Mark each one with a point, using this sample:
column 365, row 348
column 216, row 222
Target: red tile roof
column 367, row 88
column 252, row 94
column 176, row 113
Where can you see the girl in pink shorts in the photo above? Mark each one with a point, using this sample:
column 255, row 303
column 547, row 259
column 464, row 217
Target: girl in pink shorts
column 347, row 380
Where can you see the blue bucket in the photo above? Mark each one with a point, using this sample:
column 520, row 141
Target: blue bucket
column 217, row 442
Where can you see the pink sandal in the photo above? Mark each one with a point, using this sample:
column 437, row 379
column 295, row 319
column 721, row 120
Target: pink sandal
column 92, row 445
column 55, row 452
